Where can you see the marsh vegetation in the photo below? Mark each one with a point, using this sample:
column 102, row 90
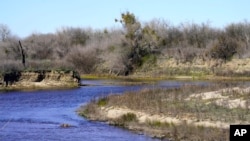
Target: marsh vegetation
column 185, row 113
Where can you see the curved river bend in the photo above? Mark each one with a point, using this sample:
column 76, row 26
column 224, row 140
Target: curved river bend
column 37, row 115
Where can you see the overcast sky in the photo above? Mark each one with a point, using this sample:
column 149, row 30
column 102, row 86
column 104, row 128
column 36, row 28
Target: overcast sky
column 25, row 17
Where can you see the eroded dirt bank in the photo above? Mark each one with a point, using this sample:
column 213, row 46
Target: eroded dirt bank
column 39, row 79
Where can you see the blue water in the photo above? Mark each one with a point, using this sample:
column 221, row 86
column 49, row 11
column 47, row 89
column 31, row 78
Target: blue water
column 37, row 115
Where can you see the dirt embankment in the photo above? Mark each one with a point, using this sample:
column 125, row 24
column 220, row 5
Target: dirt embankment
column 39, row 79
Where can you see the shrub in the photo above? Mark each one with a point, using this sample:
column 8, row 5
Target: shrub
column 158, row 124
column 125, row 119
column 88, row 111
column 40, row 46
column 10, row 65
column 224, row 49
column 77, row 36
column 103, row 101
column 83, row 59
column 129, row 117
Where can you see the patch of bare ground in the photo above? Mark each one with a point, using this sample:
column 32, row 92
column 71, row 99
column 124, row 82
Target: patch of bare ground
column 235, row 97
column 186, row 113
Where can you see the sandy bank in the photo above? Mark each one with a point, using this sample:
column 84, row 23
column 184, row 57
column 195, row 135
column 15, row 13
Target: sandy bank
column 116, row 112
column 229, row 98
column 187, row 115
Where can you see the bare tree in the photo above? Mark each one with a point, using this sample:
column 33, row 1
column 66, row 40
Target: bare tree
column 40, row 46
column 4, row 32
column 82, row 59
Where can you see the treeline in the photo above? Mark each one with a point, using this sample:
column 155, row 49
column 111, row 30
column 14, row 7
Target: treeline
column 122, row 51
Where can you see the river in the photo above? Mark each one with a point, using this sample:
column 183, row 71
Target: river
column 37, row 115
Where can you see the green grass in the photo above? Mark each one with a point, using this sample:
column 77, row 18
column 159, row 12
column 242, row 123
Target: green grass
column 102, row 101
column 129, row 117
column 125, row 119
column 158, row 124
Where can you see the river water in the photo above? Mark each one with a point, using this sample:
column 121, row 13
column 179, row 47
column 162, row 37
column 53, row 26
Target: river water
column 37, row 115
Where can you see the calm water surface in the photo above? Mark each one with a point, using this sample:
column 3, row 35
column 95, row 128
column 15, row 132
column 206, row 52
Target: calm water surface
column 37, row 115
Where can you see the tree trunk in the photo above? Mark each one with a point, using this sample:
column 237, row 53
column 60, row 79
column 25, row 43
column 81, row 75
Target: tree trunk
column 23, row 55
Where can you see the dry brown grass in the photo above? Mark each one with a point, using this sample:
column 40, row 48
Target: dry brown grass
column 173, row 103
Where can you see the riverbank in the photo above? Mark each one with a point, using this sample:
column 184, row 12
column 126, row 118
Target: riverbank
column 39, row 79
column 136, row 77
column 170, row 68
column 188, row 113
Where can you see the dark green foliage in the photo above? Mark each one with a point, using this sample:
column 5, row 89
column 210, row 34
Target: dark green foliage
column 129, row 117
column 141, row 40
column 102, row 102
column 225, row 48
column 133, row 36
column 125, row 119
column 150, row 58
column 158, row 124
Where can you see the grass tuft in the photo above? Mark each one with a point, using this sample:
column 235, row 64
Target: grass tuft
column 102, row 102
